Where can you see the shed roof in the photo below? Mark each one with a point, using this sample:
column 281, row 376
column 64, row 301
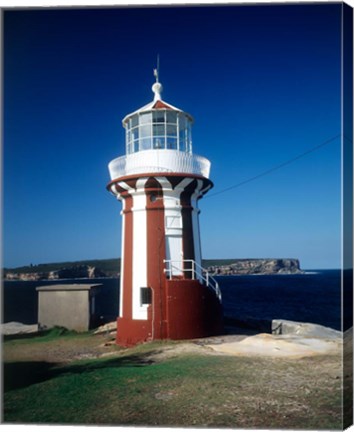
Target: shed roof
column 68, row 287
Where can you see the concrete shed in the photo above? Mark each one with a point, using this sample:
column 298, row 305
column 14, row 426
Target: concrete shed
column 71, row 306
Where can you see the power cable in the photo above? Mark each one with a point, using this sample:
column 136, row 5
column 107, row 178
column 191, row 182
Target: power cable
column 276, row 167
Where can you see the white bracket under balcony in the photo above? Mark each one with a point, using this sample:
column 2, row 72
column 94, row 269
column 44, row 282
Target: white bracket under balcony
column 159, row 161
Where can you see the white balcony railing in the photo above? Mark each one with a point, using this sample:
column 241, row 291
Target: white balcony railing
column 159, row 161
column 195, row 271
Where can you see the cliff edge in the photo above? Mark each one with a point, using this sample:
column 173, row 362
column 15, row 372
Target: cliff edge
column 75, row 272
column 258, row 266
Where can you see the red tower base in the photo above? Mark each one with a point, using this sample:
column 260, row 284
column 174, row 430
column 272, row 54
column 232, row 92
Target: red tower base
column 192, row 311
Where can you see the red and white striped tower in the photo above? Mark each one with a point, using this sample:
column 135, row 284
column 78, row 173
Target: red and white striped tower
column 164, row 291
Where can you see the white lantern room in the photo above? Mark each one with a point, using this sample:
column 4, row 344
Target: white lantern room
column 158, row 139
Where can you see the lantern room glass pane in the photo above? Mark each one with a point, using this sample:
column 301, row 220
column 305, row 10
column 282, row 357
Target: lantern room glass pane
column 171, row 117
column 181, row 121
column 182, row 139
column 171, row 143
column 135, row 133
column 158, row 116
column 158, row 129
column 145, row 118
column 133, row 121
column 159, row 142
column 171, row 130
column 189, row 139
column 145, row 131
column 145, row 144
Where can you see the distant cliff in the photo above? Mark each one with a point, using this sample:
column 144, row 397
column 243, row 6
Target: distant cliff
column 81, row 271
column 111, row 268
column 257, row 266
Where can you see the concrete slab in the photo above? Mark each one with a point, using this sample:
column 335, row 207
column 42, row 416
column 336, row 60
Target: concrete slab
column 286, row 327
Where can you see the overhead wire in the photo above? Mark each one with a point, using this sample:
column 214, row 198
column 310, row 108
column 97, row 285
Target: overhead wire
column 276, row 167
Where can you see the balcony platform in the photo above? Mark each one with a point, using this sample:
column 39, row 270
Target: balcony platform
column 158, row 161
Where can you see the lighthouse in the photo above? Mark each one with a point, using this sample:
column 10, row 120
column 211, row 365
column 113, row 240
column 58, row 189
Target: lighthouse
column 164, row 291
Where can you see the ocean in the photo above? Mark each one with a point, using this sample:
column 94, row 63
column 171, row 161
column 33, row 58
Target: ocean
column 311, row 297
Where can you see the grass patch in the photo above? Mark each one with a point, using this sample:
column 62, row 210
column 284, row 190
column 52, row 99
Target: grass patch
column 43, row 336
column 132, row 388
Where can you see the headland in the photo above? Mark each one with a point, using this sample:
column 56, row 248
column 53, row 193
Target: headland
column 92, row 269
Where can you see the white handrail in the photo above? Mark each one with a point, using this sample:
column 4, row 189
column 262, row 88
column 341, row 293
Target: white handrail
column 198, row 272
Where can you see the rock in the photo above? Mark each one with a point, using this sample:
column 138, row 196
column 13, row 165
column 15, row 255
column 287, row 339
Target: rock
column 26, row 276
column 13, row 328
column 107, row 328
column 165, row 396
column 288, row 339
column 94, row 272
column 285, row 327
column 11, row 276
column 82, row 271
column 267, row 345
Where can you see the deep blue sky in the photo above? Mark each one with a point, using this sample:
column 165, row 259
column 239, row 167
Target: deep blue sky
column 262, row 82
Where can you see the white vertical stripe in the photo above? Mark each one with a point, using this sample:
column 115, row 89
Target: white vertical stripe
column 122, row 255
column 195, row 223
column 174, row 222
column 173, row 225
column 139, row 279
column 121, row 281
